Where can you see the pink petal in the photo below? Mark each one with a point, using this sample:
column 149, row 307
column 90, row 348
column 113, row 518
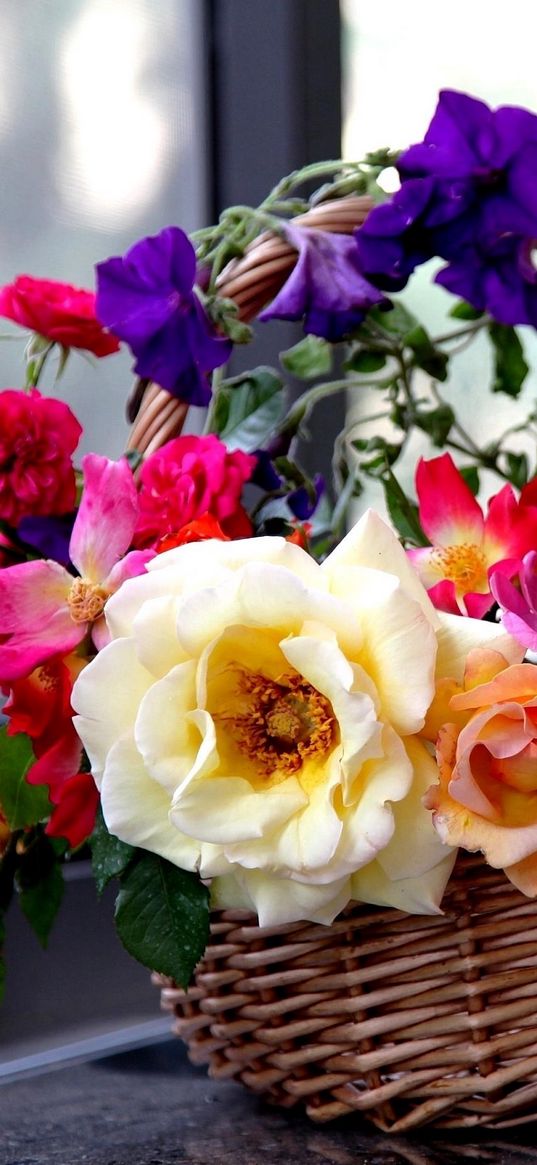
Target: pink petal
column 443, row 597
column 106, row 519
column 130, row 566
column 477, row 604
column 35, row 621
column 449, row 514
column 510, row 528
column 423, row 560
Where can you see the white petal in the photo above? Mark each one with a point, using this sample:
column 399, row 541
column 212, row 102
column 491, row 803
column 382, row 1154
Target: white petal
column 280, row 900
column 155, row 630
column 399, row 644
column 373, row 543
column 227, row 809
column 458, row 635
column 165, row 737
column 421, row 895
column 106, row 696
column 415, row 847
column 201, row 560
column 136, row 808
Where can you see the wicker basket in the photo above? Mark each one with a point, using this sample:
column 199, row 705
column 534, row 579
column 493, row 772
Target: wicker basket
column 407, row 1020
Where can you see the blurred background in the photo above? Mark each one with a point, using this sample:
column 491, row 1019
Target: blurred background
column 118, row 117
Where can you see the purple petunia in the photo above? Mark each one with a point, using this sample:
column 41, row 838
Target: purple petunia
column 326, row 287
column 147, row 298
column 468, row 195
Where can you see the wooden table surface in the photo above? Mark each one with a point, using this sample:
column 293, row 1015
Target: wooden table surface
column 150, row 1107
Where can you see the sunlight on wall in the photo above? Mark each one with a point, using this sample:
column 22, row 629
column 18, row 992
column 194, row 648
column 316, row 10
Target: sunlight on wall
column 102, row 141
column 396, row 59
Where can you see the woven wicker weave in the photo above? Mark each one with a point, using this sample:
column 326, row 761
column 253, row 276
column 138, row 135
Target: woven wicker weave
column 251, row 281
column 406, row 1020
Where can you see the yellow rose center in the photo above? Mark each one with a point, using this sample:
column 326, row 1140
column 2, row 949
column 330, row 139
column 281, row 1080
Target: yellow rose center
column 286, row 722
column 464, row 565
column 86, row 601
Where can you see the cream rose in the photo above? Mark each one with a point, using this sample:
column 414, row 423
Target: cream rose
column 254, row 717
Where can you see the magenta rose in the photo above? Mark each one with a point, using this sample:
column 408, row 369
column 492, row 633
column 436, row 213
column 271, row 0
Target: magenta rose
column 188, row 478
column 61, row 313
column 38, row 436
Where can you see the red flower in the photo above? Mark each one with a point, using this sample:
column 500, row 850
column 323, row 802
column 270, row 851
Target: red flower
column 40, row 706
column 59, row 312
column 200, row 530
column 188, row 479
column 37, row 438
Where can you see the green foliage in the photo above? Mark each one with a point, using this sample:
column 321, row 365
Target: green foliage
column 437, row 422
column 383, row 453
column 162, row 916
column 425, row 354
column 470, row 473
column 109, row 856
column 510, row 367
column 247, row 408
column 517, row 468
column 403, row 512
column 23, row 804
column 311, row 357
column 365, row 360
column 39, row 880
column 41, row 901
column 464, row 311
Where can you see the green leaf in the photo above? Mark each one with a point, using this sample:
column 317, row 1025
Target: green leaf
column 384, row 454
column 247, row 409
column 517, row 468
column 41, row 901
column 397, row 321
column 436, row 422
column 365, row 360
column 510, row 367
column 23, row 804
column 109, row 856
column 311, row 357
column 426, row 355
column 403, row 512
column 162, row 916
column 470, row 474
column 465, row 311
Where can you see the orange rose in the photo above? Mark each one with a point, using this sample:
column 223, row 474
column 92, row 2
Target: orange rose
column 486, row 751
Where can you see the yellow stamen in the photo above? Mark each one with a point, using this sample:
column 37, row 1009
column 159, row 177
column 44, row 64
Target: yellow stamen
column 287, row 722
column 86, row 601
column 465, row 565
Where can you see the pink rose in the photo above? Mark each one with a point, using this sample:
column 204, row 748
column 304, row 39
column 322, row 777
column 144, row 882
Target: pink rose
column 59, row 312
column 187, row 479
column 38, row 436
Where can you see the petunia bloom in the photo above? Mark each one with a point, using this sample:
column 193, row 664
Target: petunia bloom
column 327, row 288
column 486, row 796
column 44, row 610
column 60, row 312
column 467, row 546
column 187, row 479
column 148, row 299
column 254, row 717
column 467, row 195
column 395, row 237
column 38, row 436
column 519, row 607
